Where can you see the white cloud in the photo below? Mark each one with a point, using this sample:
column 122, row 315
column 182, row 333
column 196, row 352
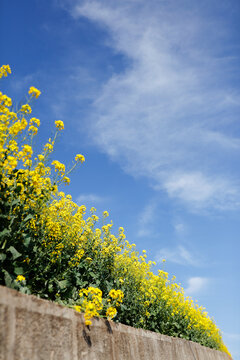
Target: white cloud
column 167, row 115
column 179, row 255
column 20, row 84
column 180, row 228
column 196, row 284
column 232, row 340
column 200, row 191
column 146, row 219
column 232, row 336
column 89, row 198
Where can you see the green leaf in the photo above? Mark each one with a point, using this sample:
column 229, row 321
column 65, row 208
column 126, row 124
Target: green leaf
column 50, row 287
column 4, row 244
column 8, row 279
column 18, row 270
column 16, row 201
column 5, row 232
column 63, row 284
column 27, row 240
column 3, row 257
column 14, row 252
column 92, row 274
column 28, row 217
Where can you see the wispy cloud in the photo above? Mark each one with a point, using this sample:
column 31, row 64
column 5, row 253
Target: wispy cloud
column 179, row 255
column 200, row 191
column 232, row 336
column 195, row 285
column 180, row 228
column 89, row 199
column 233, row 342
column 20, row 84
column 171, row 113
column 146, row 219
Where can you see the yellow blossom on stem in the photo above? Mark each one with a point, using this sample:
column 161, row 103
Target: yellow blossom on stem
column 34, row 92
column 59, row 124
column 27, row 151
column 26, row 109
column 33, row 129
column 79, row 158
column 111, row 312
column 6, row 100
column 58, row 166
column 77, row 308
column 48, row 147
column 34, row 120
column 105, row 214
column 4, row 70
column 40, row 157
column 66, row 180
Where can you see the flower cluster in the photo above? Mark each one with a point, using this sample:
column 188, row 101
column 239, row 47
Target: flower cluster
column 34, row 92
column 93, row 303
column 4, row 71
column 79, row 158
column 59, row 124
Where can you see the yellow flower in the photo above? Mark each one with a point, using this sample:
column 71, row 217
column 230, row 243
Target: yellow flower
column 20, row 278
column 58, row 166
column 26, row 109
column 4, row 70
column 48, row 147
column 16, row 128
column 33, row 129
column 105, row 214
column 116, row 295
column 27, row 163
column 59, row 124
column 77, row 308
column 35, row 120
column 34, row 92
column 80, row 158
column 111, row 312
column 27, row 151
column 66, row 180
column 10, row 163
column 88, row 259
column 40, row 157
column 6, row 100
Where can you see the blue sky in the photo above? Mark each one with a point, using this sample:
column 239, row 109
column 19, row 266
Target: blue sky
column 149, row 93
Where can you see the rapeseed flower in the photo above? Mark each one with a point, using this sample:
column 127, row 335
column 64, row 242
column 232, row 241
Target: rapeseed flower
column 34, row 92
column 59, row 124
column 79, row 158
column 4, row 70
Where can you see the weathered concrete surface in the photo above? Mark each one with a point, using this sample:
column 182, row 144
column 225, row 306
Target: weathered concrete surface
column 35, row 329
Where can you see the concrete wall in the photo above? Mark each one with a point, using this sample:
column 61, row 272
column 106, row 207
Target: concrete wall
column 35, row 329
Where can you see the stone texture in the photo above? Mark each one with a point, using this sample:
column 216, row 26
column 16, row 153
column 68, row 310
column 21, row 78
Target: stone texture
column 35, row 329
column 41, row 336
column 4, row 331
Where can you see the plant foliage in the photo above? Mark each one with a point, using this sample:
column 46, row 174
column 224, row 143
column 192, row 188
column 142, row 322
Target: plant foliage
column 48, row 247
